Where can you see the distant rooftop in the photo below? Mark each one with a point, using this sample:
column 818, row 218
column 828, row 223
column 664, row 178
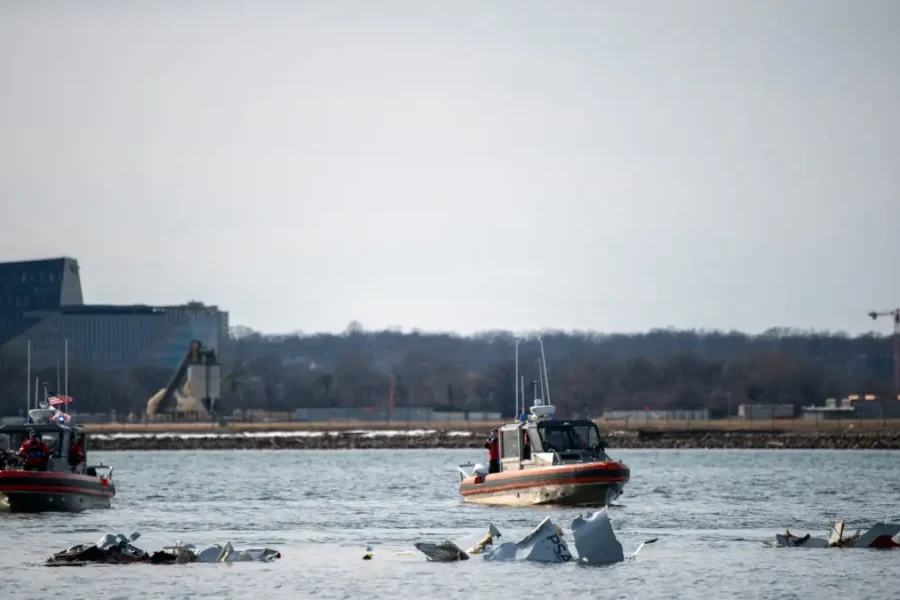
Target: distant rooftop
column 110, row 309
column 128, row 309
column 31, row 261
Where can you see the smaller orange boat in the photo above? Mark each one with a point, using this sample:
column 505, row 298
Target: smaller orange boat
column 546, row 461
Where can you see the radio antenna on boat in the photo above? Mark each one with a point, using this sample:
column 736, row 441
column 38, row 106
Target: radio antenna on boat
column 546, row 380
column 540, row 381
column 522, row 387
column 66, row 361
column 516, row 412
column 28, row 379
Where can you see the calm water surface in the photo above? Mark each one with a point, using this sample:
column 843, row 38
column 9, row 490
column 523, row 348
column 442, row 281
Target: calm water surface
column 710, row 509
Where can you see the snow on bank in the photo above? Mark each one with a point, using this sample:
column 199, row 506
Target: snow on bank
column 275, row 434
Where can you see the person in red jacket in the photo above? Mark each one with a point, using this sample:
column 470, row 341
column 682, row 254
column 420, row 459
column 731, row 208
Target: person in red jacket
column 35, row 452
column 493, row 447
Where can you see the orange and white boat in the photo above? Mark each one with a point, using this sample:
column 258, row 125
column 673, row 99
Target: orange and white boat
column 61, row 486
column 544, row 460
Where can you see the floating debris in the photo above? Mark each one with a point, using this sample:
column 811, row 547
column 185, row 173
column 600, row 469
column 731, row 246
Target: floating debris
column 879, row 536
column 594, row 538
column 118, row 549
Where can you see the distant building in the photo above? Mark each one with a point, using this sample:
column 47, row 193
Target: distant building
column 647, row 416
column 765, row 411
column 832, row 411
column 41, row 300
column 868, row 406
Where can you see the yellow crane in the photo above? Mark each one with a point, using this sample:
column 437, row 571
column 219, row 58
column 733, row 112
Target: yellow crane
column 896, row 315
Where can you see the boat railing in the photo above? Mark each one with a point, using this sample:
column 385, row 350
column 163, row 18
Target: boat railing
column 462, row 473
column 94, row 470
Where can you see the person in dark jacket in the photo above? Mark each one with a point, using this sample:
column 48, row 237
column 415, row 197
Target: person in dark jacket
column 35, row 452
column 76, row 454
column 493, row 447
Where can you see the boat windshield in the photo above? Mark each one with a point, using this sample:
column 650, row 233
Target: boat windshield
column 562, row 438
column 12, row 441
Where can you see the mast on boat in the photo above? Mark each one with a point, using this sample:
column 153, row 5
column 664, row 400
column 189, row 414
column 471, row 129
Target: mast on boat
column 522, row 391
column 516, row 412
column 544, row 360
column 28, row 380
column 66, row 360
column 542, row 384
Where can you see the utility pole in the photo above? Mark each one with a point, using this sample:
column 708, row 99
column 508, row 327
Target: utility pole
column 896, row 315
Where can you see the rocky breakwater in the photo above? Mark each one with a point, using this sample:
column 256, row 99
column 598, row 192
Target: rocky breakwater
column 287, row 441
column 748, row 440
column 887, row 440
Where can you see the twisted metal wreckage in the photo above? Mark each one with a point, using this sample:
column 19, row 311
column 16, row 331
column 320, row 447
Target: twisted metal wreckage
column 118, row 549
column 595, row 543
column 880, row 536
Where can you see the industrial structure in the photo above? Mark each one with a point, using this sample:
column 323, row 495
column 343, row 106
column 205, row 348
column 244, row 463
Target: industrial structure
column 895, row 315
column 194, row 388
column 41, row 301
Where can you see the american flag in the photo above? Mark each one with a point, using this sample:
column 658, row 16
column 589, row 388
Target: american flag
column 59, row 400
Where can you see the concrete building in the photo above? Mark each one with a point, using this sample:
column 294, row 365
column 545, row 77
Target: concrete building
column 42, row 301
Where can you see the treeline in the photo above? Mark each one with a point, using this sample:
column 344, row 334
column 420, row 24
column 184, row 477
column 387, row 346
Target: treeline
column 662, row 369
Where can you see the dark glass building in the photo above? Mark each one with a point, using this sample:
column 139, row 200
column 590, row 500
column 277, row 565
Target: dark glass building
column 41, row 302
column 31, row 288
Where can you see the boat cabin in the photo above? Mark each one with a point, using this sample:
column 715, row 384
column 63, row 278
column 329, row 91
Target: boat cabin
column 57, row 436
column 547, row 442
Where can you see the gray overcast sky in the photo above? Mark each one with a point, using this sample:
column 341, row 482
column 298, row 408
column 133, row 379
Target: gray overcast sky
column 461, row 165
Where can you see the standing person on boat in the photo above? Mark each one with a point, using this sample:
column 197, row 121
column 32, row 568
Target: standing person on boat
column 76, row 454
column 35, row 452
column 526, row 446
column 493, row 447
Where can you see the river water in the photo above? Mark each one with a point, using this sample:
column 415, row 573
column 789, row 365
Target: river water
column 711, row 510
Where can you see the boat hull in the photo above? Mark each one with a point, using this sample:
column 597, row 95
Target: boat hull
column 31, row 492
column 593, row 484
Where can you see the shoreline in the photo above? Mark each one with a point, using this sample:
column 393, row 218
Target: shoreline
column 455, row 439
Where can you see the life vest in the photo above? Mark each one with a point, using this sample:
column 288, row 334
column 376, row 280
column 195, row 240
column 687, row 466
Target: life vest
column 35, row 451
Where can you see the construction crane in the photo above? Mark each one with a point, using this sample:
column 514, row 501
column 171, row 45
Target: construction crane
column 896, row 315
